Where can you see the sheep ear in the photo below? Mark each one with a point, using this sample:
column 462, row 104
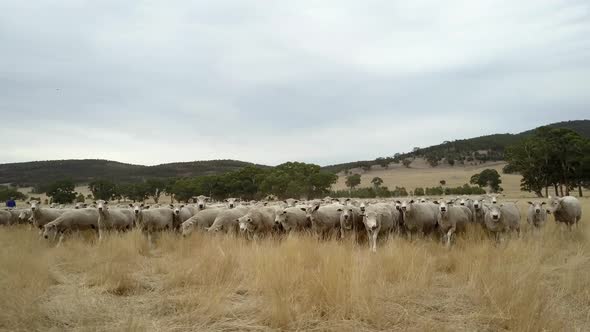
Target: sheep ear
column 130, row 205
column 412, row 202
column 435, row 202
column 398, row 202
column 531, row 203
column 543, row 203
column 303, row 209
column 339, row 210
column 317, row 207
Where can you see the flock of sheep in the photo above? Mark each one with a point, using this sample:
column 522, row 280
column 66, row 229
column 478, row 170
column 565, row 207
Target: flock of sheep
column 366, row 221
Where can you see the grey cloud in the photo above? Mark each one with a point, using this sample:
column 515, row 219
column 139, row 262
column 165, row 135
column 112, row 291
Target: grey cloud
column 147, row 83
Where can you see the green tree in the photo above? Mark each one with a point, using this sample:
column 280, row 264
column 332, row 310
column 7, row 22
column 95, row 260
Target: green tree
column 80, row 198
column 169, row 184
column 62, row 192
column 419, row 192
column 155, row 188
column 137, row 192
column 407, row 162
column 383, row 162
column 550, row 157
column 183, row 189
column 583, row 170
column 9, row 192
column 432, row 159
column 353, row 180
column 434, row 191
column 294, row 179
column 103, row 189
column 321, row 182
column 377, row 182
column 487, row 178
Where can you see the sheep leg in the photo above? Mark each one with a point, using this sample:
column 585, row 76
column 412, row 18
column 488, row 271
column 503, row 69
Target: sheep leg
column 449, row 236
column 375, row 238
column 61, row 239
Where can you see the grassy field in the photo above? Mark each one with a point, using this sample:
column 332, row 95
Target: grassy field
column 422, row 175
column 217, row 283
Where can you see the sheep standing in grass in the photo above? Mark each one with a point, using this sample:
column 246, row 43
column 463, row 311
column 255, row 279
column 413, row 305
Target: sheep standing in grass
column 502, row 218
column 378, row 221
column 181, row 214
column 112, row 219
column 419, row 218
column 257, row 222
column 200, row 221
column 566, row 210
column 537, row 214
column 351, row 220
column 325, row 220
column 150, row 221
column 41, row 216
column 452, row 220
column 292, row 219
column 226, row 220
column 72, row 220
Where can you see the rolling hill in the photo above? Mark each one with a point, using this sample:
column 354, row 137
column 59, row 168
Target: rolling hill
column 86, row 170
column 489, row 148
column 468, row 152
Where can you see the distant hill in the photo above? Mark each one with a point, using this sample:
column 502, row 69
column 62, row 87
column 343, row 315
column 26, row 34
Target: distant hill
column 86, row 170
column 473, row 150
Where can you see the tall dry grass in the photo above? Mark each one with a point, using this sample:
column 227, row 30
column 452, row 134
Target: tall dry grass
column 538, row 282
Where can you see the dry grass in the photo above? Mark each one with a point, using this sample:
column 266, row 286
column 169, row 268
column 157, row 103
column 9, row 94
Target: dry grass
column 538, row 282
column 422, row 175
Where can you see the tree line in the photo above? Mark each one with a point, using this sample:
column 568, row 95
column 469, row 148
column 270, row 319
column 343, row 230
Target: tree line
column 555, row 158
column 7, row 193
column 292, row 179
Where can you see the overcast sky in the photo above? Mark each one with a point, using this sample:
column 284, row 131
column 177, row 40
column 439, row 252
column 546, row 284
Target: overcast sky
column 151, row 82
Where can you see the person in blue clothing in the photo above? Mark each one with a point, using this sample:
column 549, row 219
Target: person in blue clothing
column 11, row 204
